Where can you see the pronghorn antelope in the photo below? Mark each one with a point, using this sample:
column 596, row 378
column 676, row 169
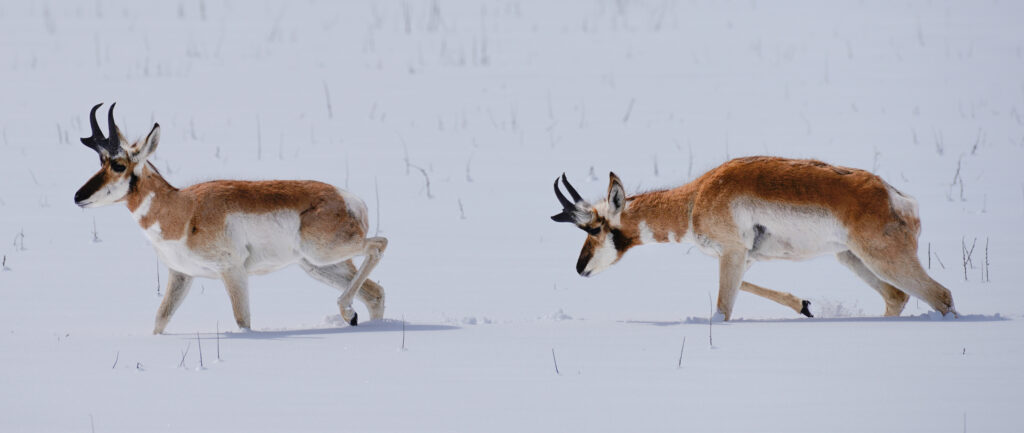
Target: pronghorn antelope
column 229, row 229
column 764, row 208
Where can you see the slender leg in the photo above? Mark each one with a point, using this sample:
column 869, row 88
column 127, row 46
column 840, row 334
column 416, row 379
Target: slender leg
column 177, row 287
column 731, row 266
column 895, row 299
column 786, row 299
column 339, row 276
column 374, row 248
column 901, row 268
column 236, row 281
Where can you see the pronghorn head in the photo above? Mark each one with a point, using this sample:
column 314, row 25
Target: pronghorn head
column 605, row 242
column 120, row 162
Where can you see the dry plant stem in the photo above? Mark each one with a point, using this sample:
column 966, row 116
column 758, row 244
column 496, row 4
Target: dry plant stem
column 200, row 344
column 425, row 178
column 681, row 349
column 555, row 360
column 184, row 353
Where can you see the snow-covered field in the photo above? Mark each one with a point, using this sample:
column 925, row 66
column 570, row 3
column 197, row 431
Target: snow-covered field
column 493, row 100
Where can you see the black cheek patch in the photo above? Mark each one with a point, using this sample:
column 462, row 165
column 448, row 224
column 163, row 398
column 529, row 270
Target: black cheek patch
column 90, row 187
column 621, row 241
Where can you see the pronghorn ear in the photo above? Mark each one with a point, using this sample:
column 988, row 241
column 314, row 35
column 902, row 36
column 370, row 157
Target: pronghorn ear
column 141, row 150
column 616, row 194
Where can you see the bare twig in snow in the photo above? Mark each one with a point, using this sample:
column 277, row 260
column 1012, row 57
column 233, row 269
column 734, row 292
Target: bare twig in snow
column 376, row 191
column 966, row 254
column 425, row 178
column 711, row 318
column 327, row 96
column 116, row 357
column 462, row 212
column 681, row 349
column 629, row 110
column 403, row 334
column 986, row 277
column 95, row 234
column 184, row 353
column 200, row 344
column 218, row 341
column 158, row 277
column 555, row 360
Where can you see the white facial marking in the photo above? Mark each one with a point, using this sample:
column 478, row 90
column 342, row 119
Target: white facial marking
column 143, row 208
column 646, row 235
column 603, row 210
column 109, row 194
column 604, row 256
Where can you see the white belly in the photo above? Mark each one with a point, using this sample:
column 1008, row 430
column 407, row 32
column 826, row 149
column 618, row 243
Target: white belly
column 260, row 243
column 778, row 231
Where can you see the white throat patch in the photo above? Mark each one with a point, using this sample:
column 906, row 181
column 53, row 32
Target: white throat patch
column 646, row 234
column 143, row 209
column 603, row 257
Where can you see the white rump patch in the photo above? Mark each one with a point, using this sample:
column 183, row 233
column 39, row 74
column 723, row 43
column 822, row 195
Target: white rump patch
column 904, row 204
column 356, row 207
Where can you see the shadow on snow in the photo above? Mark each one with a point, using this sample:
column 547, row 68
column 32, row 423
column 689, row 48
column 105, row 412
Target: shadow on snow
column 385, row 325
column 927, row 317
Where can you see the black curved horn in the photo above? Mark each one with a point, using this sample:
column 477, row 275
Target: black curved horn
column 113, row 143
column 572, row 191
column 566, row 204
column 97, row 138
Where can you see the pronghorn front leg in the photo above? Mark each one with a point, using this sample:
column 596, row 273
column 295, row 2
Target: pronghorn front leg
column 177, row 287
column 236, row 281
column 373, row 248
column 731, row 266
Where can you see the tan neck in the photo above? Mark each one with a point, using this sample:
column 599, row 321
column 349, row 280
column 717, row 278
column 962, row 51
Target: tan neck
column 154, row 201
column 661, row 215
column 149, row 182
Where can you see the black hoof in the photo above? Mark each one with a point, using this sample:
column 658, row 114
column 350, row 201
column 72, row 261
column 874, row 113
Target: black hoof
column 804, row 310
column 355, row 319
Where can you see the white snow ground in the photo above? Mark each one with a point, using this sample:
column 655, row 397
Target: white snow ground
column 493, row 100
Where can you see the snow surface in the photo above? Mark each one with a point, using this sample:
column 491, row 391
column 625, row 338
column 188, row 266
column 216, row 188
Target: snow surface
column 493, row 100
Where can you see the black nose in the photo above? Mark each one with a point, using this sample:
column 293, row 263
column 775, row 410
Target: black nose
column 79, row 197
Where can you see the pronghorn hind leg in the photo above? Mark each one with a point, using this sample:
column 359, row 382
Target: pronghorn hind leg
column 178, row 285
column 895, row 299
column 236, row 281
column 900, row 267
column 786, row 299
column 373, row 249
column 731, row 266
column 339, row 276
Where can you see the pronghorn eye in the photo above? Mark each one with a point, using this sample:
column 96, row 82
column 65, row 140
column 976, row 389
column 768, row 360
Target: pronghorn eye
column 117, row 167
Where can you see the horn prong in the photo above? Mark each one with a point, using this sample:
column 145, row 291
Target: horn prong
column 97, row 134
column 566, row 204
column 113, row 143
column 572, row 191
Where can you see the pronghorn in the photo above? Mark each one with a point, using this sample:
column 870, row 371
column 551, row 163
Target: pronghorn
column 229, row 229
column 764, row 208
